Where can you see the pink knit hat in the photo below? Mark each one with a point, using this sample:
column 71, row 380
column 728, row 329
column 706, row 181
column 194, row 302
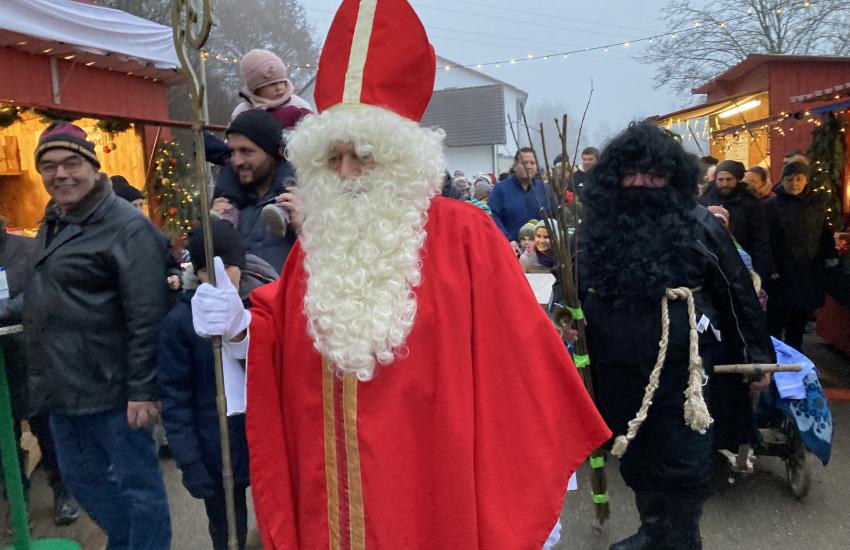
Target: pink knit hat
column 260, row 68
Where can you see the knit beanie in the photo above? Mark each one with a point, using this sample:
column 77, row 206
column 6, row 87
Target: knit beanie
column 226, row 245
column 528, row 229
column 793, row 168
column 259, row 68
column 123, row 189
column 261, row 128
column 64, row 135
column 734, row 167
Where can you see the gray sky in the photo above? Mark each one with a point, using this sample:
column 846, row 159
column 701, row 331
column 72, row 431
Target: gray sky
column 478, row 31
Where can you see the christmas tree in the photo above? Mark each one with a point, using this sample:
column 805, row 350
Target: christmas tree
column 175, row 198
column 827, row 154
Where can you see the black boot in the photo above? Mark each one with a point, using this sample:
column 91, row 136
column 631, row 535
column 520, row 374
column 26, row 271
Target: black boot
column 683, row 522
column 65, row 509
column 651, row 510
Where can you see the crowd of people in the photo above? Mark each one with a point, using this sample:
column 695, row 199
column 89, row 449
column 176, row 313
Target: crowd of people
column 378, row 315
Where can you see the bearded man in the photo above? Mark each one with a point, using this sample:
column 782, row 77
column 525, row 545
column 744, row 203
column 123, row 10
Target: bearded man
column 747, row 215
column 371, row 423
column 647, row 242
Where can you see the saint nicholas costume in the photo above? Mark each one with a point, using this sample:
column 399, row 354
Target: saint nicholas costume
column 462, row 437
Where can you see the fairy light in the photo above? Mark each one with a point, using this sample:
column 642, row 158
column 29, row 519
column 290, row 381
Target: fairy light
column 674, row 35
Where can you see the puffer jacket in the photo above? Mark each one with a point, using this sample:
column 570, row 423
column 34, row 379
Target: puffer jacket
column 253, row 233
column 93, row 307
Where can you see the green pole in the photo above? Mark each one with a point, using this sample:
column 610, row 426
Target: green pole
column 12, row 469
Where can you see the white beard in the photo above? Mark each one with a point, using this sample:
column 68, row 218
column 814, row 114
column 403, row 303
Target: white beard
column 362, row 237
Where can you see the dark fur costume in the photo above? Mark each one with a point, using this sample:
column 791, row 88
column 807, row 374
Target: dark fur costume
column 638, row 234
column 635, row 243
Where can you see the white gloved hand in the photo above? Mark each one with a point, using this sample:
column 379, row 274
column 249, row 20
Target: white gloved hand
column 218, row 310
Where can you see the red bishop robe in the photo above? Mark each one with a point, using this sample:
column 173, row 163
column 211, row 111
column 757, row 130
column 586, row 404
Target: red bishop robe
column 466, row 442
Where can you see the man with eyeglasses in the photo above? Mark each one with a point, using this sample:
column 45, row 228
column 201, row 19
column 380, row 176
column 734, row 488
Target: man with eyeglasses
column 91, row 315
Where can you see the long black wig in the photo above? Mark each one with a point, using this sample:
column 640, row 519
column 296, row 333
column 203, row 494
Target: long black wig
column 633, row 239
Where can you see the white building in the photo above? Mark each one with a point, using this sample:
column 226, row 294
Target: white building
column 473, row 109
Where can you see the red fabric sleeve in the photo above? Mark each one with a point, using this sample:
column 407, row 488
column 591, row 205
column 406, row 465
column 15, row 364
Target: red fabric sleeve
column 270, row 475
column 534, row 420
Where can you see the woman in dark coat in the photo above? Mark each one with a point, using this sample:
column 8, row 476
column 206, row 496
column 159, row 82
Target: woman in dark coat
column 802, row 246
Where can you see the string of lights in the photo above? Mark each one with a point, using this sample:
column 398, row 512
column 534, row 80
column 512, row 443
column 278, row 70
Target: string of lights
column 697, row 26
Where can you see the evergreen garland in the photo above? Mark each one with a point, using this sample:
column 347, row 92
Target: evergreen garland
column 827, row 154
column 175, row 198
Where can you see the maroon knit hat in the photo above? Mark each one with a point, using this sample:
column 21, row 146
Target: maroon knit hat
column 64, row 135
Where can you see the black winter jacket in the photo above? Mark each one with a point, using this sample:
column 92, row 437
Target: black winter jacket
column 801, row 241
column 187, row 384
column 253, row 232
column 16, row 254
column 93, row 306
column 748, row 223
column 16, row 257
column 623, row 338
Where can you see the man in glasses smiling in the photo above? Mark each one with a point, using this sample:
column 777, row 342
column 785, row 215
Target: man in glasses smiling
column 91, row 316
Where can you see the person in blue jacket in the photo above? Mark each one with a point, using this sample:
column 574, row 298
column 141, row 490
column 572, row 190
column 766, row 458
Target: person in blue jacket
column 519, row 198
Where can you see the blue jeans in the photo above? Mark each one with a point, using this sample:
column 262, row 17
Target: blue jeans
column 114, row 474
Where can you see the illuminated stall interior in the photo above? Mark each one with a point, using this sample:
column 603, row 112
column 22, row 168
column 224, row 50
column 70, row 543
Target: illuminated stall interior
column 104, row 69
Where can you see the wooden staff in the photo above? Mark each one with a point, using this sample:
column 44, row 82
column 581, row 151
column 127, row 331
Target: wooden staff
column 571, row 312
column 191, row 22
column 511, row 125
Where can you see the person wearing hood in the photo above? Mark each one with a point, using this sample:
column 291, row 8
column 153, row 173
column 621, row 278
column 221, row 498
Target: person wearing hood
column 803, row 246
column 748, row 218
column 266, row 86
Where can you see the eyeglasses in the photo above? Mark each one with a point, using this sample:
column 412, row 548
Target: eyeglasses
column 72, row 165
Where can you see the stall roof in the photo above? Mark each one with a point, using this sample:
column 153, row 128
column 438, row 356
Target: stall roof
column 754, row 60
column 90, row 34
column 711, row 108
column 833, row 92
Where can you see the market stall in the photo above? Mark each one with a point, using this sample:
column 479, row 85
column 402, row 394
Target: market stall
column 748, row 114
column 107, row 70
column 831, row 148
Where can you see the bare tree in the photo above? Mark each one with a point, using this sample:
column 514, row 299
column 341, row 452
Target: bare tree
column 277, row 25
column 716, row 35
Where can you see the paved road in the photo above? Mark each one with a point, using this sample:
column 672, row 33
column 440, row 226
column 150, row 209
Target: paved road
column 188, row 520
column 758, row 513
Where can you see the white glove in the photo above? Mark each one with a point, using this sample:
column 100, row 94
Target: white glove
column 218, row 310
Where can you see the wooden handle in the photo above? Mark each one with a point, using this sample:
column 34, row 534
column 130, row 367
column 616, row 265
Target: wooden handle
column 750, row 369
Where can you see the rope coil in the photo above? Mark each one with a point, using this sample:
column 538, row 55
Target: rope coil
column 696, row 413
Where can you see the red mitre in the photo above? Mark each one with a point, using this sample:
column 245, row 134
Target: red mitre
column 377, row 53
